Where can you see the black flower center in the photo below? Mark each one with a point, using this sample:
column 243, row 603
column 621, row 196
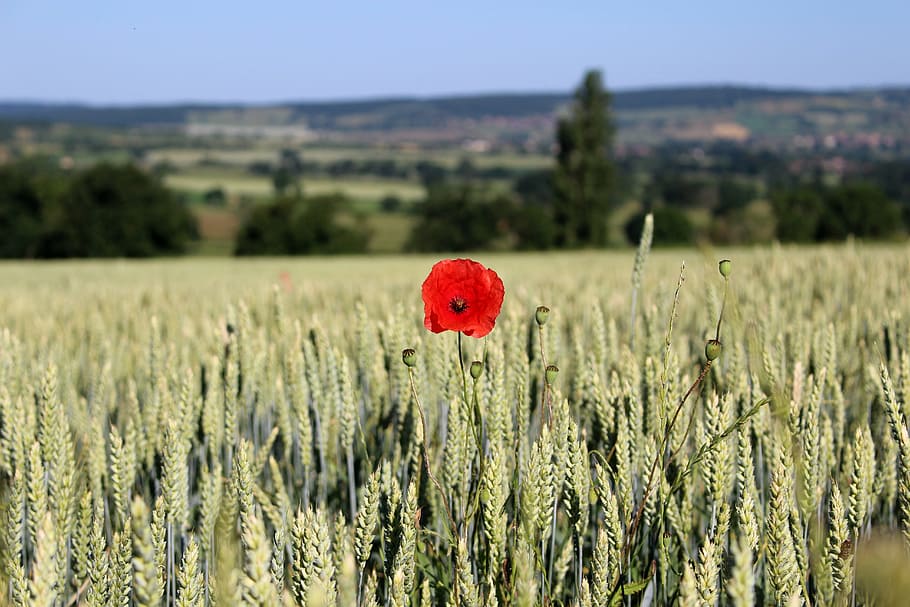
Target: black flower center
column 458, row 304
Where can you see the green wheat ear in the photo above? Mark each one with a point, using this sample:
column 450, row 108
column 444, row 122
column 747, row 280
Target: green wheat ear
column 130, row 480
column 190, row 582
column 147, row 587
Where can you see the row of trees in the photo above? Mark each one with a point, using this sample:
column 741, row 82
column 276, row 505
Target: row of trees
column 105, row 211
column 121, row 211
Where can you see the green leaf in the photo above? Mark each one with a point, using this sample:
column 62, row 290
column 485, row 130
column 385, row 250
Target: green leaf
column 634, row 587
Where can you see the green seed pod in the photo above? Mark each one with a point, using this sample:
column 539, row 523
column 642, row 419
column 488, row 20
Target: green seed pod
column 551, row 373
column 476, row 369
column 409, row 357
column 725, row 266
column 542, row 315
column 712, row 349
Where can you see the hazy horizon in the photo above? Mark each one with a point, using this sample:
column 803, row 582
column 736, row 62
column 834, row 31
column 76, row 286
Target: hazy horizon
column 110, row 53
column 366, row 98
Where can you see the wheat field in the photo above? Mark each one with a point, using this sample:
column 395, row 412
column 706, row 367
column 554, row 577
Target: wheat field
column 224, row 432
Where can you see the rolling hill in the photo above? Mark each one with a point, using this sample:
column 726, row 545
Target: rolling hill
column 643, row 116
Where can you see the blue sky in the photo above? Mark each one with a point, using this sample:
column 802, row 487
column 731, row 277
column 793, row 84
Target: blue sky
column 200, row 50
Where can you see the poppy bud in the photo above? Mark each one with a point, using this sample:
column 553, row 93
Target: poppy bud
column 712, row 349
column 725, row 266
column 476, row 369
column 409, row 357
column 551, row 373
column 542, row 315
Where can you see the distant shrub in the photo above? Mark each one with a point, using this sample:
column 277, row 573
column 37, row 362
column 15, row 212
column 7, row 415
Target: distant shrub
column 460, row 217
column 536, row 187
column 798, row 211
column 215, row 197
column 816, row 213
column 105, row 211
column 300, row 226
column 21, row 214
column 390, row 204
column 860, row 209
column 671, row 227
column 117, row 211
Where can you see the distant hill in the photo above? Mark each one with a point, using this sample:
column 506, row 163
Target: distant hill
column 645, row 115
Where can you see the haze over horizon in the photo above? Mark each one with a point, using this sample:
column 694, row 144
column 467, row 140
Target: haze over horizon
column 430, row 96
column 114, row 53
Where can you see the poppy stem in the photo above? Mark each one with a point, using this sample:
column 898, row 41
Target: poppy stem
column 426, row 455
column 464, row 377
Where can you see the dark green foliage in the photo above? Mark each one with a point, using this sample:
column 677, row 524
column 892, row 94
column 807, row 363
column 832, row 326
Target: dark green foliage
column 893, row 177
column 533, row 227
column 734, row 194
column 460, row 217
column 465, row 216
column 215, row 197
column 390, row 204
column 678, row 189
column 798, row 211
column 671, row 227
column 535, row 187
column 431, row 174
column 300, row 226
column 288, row 173
column 466, row 169
column 584, row 171
column 532, row 217
column 21, row 209
column 815, row 213
column 106, row 211
column 118, row 211
column 859, row 209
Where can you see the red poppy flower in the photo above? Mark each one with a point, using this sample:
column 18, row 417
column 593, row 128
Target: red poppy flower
column 462, row 295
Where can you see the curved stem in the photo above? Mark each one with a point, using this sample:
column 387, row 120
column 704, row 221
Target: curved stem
column 636, row 520
column 426, row 455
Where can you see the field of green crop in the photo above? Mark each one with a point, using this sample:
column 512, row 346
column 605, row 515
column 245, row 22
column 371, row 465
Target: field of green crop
column 201, row 432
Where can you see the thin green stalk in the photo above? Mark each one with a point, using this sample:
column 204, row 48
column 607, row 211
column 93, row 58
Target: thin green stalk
column 464, row 377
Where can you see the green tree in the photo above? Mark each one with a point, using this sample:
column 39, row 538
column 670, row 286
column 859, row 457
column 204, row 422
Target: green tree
column 532, row 218
column 860, row 209
column 671, row 227
column 798, row 211
column 21, row 213
column 431, row 174
column 300, row 226
column 288, row 173
column 460, row 217
column 584, row 170
column 817, row 213
column 116, row 211
column 535, row 187
column 215, row 197
column 733, row 194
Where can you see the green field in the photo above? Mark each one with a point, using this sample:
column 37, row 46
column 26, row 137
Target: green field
column 236, row 432
column 264, row 152
column 249, row 185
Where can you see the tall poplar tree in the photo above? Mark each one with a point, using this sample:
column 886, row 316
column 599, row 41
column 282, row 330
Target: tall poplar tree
column 584, row 170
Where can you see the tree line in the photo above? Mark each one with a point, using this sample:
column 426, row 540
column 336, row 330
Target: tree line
column 104, row 211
